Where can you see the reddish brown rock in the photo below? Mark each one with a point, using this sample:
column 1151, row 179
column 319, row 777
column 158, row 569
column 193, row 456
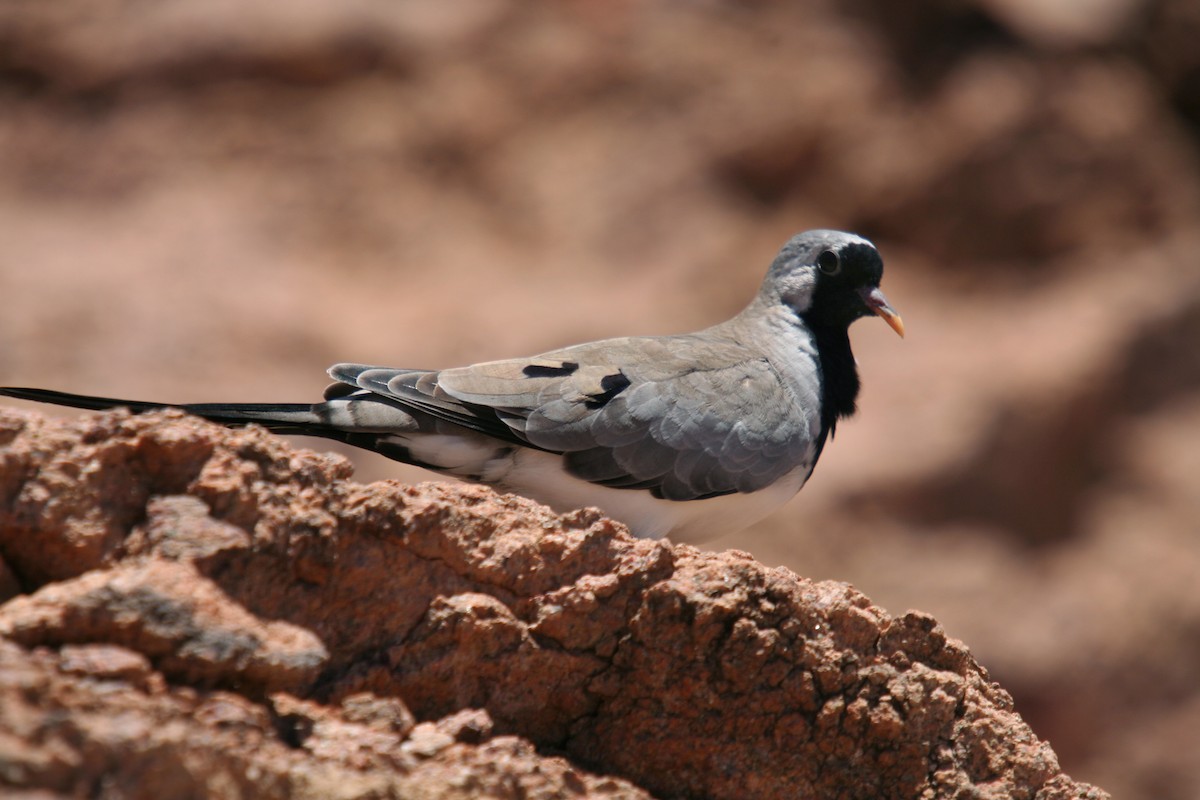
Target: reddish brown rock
column 170, row 613
column 240, row 617
column 63, row 732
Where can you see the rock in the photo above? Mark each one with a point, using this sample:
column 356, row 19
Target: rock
column 62, row 732
column 253, row 622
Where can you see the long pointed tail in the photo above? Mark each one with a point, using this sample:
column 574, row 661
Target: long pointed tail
column 357, row 417
column 295, row 418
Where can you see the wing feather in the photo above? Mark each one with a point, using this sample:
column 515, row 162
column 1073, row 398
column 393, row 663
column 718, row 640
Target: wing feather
column 630, row 413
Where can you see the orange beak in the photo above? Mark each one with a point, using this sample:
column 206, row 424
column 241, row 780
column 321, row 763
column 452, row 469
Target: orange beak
column 875, row 301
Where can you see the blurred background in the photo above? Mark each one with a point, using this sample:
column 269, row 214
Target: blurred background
column 214, row 200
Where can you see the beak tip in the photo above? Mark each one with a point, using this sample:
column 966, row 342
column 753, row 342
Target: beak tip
column 878, row 304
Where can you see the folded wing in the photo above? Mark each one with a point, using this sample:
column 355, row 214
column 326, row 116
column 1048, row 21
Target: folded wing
column 625, row 413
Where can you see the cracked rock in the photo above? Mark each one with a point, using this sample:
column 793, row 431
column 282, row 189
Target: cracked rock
column 302, row 635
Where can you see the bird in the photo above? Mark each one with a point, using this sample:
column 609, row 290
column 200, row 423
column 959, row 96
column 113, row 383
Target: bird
column 686, row 436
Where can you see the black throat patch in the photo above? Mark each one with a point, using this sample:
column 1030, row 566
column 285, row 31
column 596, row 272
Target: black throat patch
column 839, row 378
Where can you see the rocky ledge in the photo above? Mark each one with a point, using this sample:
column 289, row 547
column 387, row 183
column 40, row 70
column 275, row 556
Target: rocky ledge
column 190, row 611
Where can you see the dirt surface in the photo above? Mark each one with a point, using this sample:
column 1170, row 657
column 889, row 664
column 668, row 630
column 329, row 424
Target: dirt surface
column 205, row 201
column 210, row 613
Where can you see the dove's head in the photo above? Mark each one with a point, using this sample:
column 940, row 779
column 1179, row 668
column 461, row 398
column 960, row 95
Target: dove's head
column 830, row 279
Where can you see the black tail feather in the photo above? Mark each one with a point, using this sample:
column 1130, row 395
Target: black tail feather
column 297, row 418
column 81, row 400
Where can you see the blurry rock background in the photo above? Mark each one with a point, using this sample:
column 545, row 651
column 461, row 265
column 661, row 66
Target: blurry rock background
column 214, row 201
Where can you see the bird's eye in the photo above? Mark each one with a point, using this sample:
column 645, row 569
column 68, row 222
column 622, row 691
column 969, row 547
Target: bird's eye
column 829, row 262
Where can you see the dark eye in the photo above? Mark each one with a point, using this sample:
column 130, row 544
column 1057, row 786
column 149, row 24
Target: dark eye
column 829, row 262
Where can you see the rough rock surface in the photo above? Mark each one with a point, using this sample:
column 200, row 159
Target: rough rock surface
column 194, row 611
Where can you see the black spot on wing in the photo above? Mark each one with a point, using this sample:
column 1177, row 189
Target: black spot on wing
column 611, row 386
column 546, row 371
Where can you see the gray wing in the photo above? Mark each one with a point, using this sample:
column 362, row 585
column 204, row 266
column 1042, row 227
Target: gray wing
column 682, row 416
